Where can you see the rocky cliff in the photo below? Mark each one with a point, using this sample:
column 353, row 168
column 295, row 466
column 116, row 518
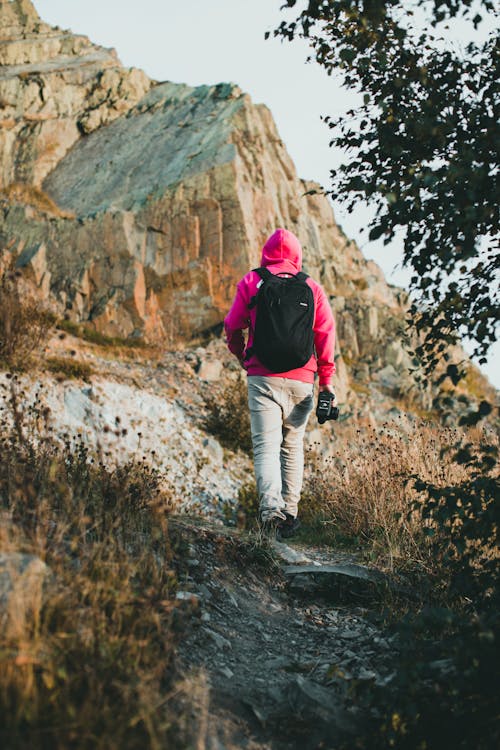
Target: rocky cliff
column 136, row 205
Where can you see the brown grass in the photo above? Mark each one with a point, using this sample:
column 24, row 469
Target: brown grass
column 88, row 660
column 24, row 323
column 364, row 494
column 65, row 367
column 85, row 332
column 228, row 417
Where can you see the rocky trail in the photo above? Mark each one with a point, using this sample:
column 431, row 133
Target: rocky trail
column 271, row 661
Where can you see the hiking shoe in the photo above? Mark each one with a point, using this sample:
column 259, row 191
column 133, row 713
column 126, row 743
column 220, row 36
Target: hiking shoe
column 288, row 527
column 269, row 525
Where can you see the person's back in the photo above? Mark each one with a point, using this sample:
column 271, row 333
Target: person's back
column 280, row 401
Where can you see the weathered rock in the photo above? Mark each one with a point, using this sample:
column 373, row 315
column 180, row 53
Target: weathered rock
column 218, row 639
column 172, row 199
column 340, row 580
column 213, row 449
column 19, row 575
column 210, row 370
column 388, row 378
column 290, row 555
column 54, row 85
column 127, row 422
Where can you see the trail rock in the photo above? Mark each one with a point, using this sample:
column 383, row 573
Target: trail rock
column 336, row 580
column 19, row 573
column 210, row 370
column 290, row 555
column 218, row 639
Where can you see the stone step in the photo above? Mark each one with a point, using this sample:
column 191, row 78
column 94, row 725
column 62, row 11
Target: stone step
column 337, row 581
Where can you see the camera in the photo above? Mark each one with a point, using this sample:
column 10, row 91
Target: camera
column 325, row 409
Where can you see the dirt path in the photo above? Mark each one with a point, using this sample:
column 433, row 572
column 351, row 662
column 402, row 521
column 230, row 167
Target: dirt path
column 270, row 668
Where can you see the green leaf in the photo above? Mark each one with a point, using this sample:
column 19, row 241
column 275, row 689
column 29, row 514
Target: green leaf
column 347, row 54
column 376, row 232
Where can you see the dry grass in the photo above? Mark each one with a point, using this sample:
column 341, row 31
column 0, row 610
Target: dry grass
column 29, row 195
column 88, row 661
column 24, row 323
column 65, row 367
column 365, row 494
column 228, row 417
column 89, row 334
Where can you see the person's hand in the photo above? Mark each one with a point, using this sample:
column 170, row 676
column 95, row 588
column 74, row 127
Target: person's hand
column 329, row 388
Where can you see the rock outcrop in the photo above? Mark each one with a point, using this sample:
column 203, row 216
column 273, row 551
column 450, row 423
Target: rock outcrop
column 136, row 205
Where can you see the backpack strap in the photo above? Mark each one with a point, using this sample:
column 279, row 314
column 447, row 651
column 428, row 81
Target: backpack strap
column 264, row 274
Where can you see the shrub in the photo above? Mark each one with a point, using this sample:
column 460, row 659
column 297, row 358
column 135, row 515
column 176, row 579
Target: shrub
column 228, row 417
column 69, row 368
column 464, row 517
column 247, row 508
column 95, row 667
column 444, row 690
column 366, row 491
column 96, row 337
column 24, row 323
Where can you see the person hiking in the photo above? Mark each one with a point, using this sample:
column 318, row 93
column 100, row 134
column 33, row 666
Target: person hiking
column 280, row 398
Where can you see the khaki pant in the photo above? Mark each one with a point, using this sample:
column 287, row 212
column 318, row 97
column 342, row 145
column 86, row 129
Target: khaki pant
column 279, row 410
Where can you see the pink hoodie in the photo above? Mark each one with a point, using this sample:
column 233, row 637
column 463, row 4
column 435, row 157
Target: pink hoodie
column 282, row 253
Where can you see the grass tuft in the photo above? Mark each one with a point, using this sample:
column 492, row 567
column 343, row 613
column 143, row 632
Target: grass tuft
column 90, row 663
column 95, row 337
column 29, row 195
column 24, row 322
column 65, row 367
column 227, row 416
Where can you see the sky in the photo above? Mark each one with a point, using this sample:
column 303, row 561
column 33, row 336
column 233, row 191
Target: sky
column 211, row 41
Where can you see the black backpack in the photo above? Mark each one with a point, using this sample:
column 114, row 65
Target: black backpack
column 283, row 336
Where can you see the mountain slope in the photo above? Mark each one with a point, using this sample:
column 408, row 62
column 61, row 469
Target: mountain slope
column 135, row 206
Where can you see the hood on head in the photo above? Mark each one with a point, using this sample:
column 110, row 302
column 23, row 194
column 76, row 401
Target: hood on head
column 284, row 248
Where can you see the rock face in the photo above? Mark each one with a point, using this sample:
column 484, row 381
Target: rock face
column 136, row 205
column 54, row 87
column 125, row 422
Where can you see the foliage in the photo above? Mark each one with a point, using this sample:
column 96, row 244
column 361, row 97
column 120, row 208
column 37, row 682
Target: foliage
column 95, row 666
column 96, row 337
column 247, row 508
column 422, row 148
column 24, row 323
column 69, row 368
column 365, row 492
column 228, row 417
column 444, row 689
column 427, row 503
column 465, row 518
